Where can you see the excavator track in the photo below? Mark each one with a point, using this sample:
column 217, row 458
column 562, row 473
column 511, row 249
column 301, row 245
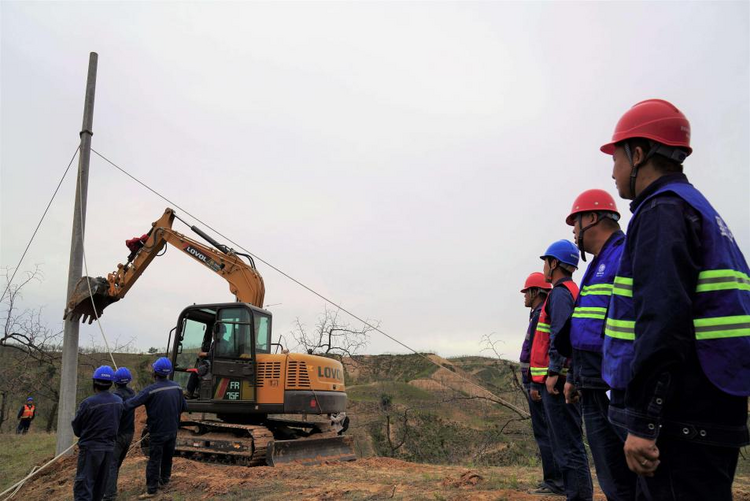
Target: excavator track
column 215, row 441
column 255, row 445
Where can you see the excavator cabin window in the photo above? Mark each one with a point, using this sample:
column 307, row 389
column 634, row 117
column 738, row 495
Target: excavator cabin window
column 234, row 333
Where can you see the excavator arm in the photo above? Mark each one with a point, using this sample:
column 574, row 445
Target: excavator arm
column 92, row 295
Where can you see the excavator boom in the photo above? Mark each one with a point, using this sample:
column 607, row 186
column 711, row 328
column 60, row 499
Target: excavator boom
column 93, row 295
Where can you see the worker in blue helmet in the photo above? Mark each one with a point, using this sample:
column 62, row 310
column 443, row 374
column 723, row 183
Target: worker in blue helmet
column 96, row 424
column 164, row 403
column 26, row 415
column 548, row 369
column 124, row 435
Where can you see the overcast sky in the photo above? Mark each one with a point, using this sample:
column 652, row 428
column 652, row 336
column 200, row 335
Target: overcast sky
column 410, row 160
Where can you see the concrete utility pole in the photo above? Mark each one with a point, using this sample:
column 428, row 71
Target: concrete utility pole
column 69, row 372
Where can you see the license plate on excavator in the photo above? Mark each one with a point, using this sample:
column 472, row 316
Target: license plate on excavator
column 310, row 450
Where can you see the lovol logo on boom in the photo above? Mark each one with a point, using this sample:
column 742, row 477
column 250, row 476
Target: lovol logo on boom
column 202, row 257
column 329, row 373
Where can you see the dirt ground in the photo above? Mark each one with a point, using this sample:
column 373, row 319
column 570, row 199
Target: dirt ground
column 367, row 478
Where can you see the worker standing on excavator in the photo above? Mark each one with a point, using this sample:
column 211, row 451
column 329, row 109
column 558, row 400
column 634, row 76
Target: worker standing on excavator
column 677, row 336
column 549, row 368
column 125, row 433
column 164, row 403
column 96, row 424
column 535, row 292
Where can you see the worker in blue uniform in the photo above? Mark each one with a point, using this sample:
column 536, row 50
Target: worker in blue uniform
column 677, row 336
column 535, row 291
column 96, row 424
column 164, row 403
column 125, row 433
column 594, row 219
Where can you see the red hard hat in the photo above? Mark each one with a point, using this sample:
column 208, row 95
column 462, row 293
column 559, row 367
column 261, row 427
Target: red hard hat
column 653, row 119
column 537, row 280
column 592, row 201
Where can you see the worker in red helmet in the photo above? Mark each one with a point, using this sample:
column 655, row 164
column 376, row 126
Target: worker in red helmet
column 677, row 337
column 596, row 229
column 535, row 291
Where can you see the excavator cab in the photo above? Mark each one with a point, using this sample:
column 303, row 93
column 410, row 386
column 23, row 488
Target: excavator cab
column 230, row 335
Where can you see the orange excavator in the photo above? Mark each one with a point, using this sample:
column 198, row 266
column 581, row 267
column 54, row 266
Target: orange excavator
column 245, row 402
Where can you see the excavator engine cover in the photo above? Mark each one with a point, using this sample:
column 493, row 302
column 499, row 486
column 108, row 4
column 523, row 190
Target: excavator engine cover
column 83, row 302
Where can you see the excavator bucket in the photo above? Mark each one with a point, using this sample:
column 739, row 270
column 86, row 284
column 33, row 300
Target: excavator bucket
column 86, row 303
column 310, row 450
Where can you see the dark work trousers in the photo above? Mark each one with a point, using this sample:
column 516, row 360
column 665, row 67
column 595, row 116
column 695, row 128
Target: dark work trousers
column 552, row 475
column 159, row 467
column 122, row 444
column 690, row 472
column 92, row 474
column 564, row 424
column 23, row 426
column 606, row 442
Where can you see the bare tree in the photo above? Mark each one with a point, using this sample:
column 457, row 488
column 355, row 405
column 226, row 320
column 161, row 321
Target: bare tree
column 391, row 417
column 31, row 351
column 332, row 335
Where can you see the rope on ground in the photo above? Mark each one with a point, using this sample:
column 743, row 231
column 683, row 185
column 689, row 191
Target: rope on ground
column 518, row 410
column 34, row 473
column 33, row 470
column 17, row 486
column 18, row 266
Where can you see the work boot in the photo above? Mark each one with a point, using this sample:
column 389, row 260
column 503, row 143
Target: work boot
column 544, row 490
column 147, row 495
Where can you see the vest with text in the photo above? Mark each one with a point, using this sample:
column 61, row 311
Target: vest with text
column 587, row 323
column 721, row 306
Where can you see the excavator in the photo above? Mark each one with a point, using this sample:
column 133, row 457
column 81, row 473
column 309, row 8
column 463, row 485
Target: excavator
column 247, row 405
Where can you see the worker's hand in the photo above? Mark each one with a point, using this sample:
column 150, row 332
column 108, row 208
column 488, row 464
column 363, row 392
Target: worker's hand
column 551, row 382
column 534, row 394
column 572, row 395
column 642, row 455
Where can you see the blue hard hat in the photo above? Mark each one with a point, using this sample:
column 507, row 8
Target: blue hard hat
column 29, row 399
column 104, row 373
column 163, row 366
column 123, row 376
column 564, row 251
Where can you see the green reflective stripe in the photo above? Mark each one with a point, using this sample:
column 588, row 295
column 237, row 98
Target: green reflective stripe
column 539, row 371
column 620, row 329
column 542, row 327
column 590, row 312
column 722, row 327
column 623, row 286
column 597, row 290
column 719, row 280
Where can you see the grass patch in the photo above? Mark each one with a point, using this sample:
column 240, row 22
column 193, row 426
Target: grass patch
column 19, row 453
